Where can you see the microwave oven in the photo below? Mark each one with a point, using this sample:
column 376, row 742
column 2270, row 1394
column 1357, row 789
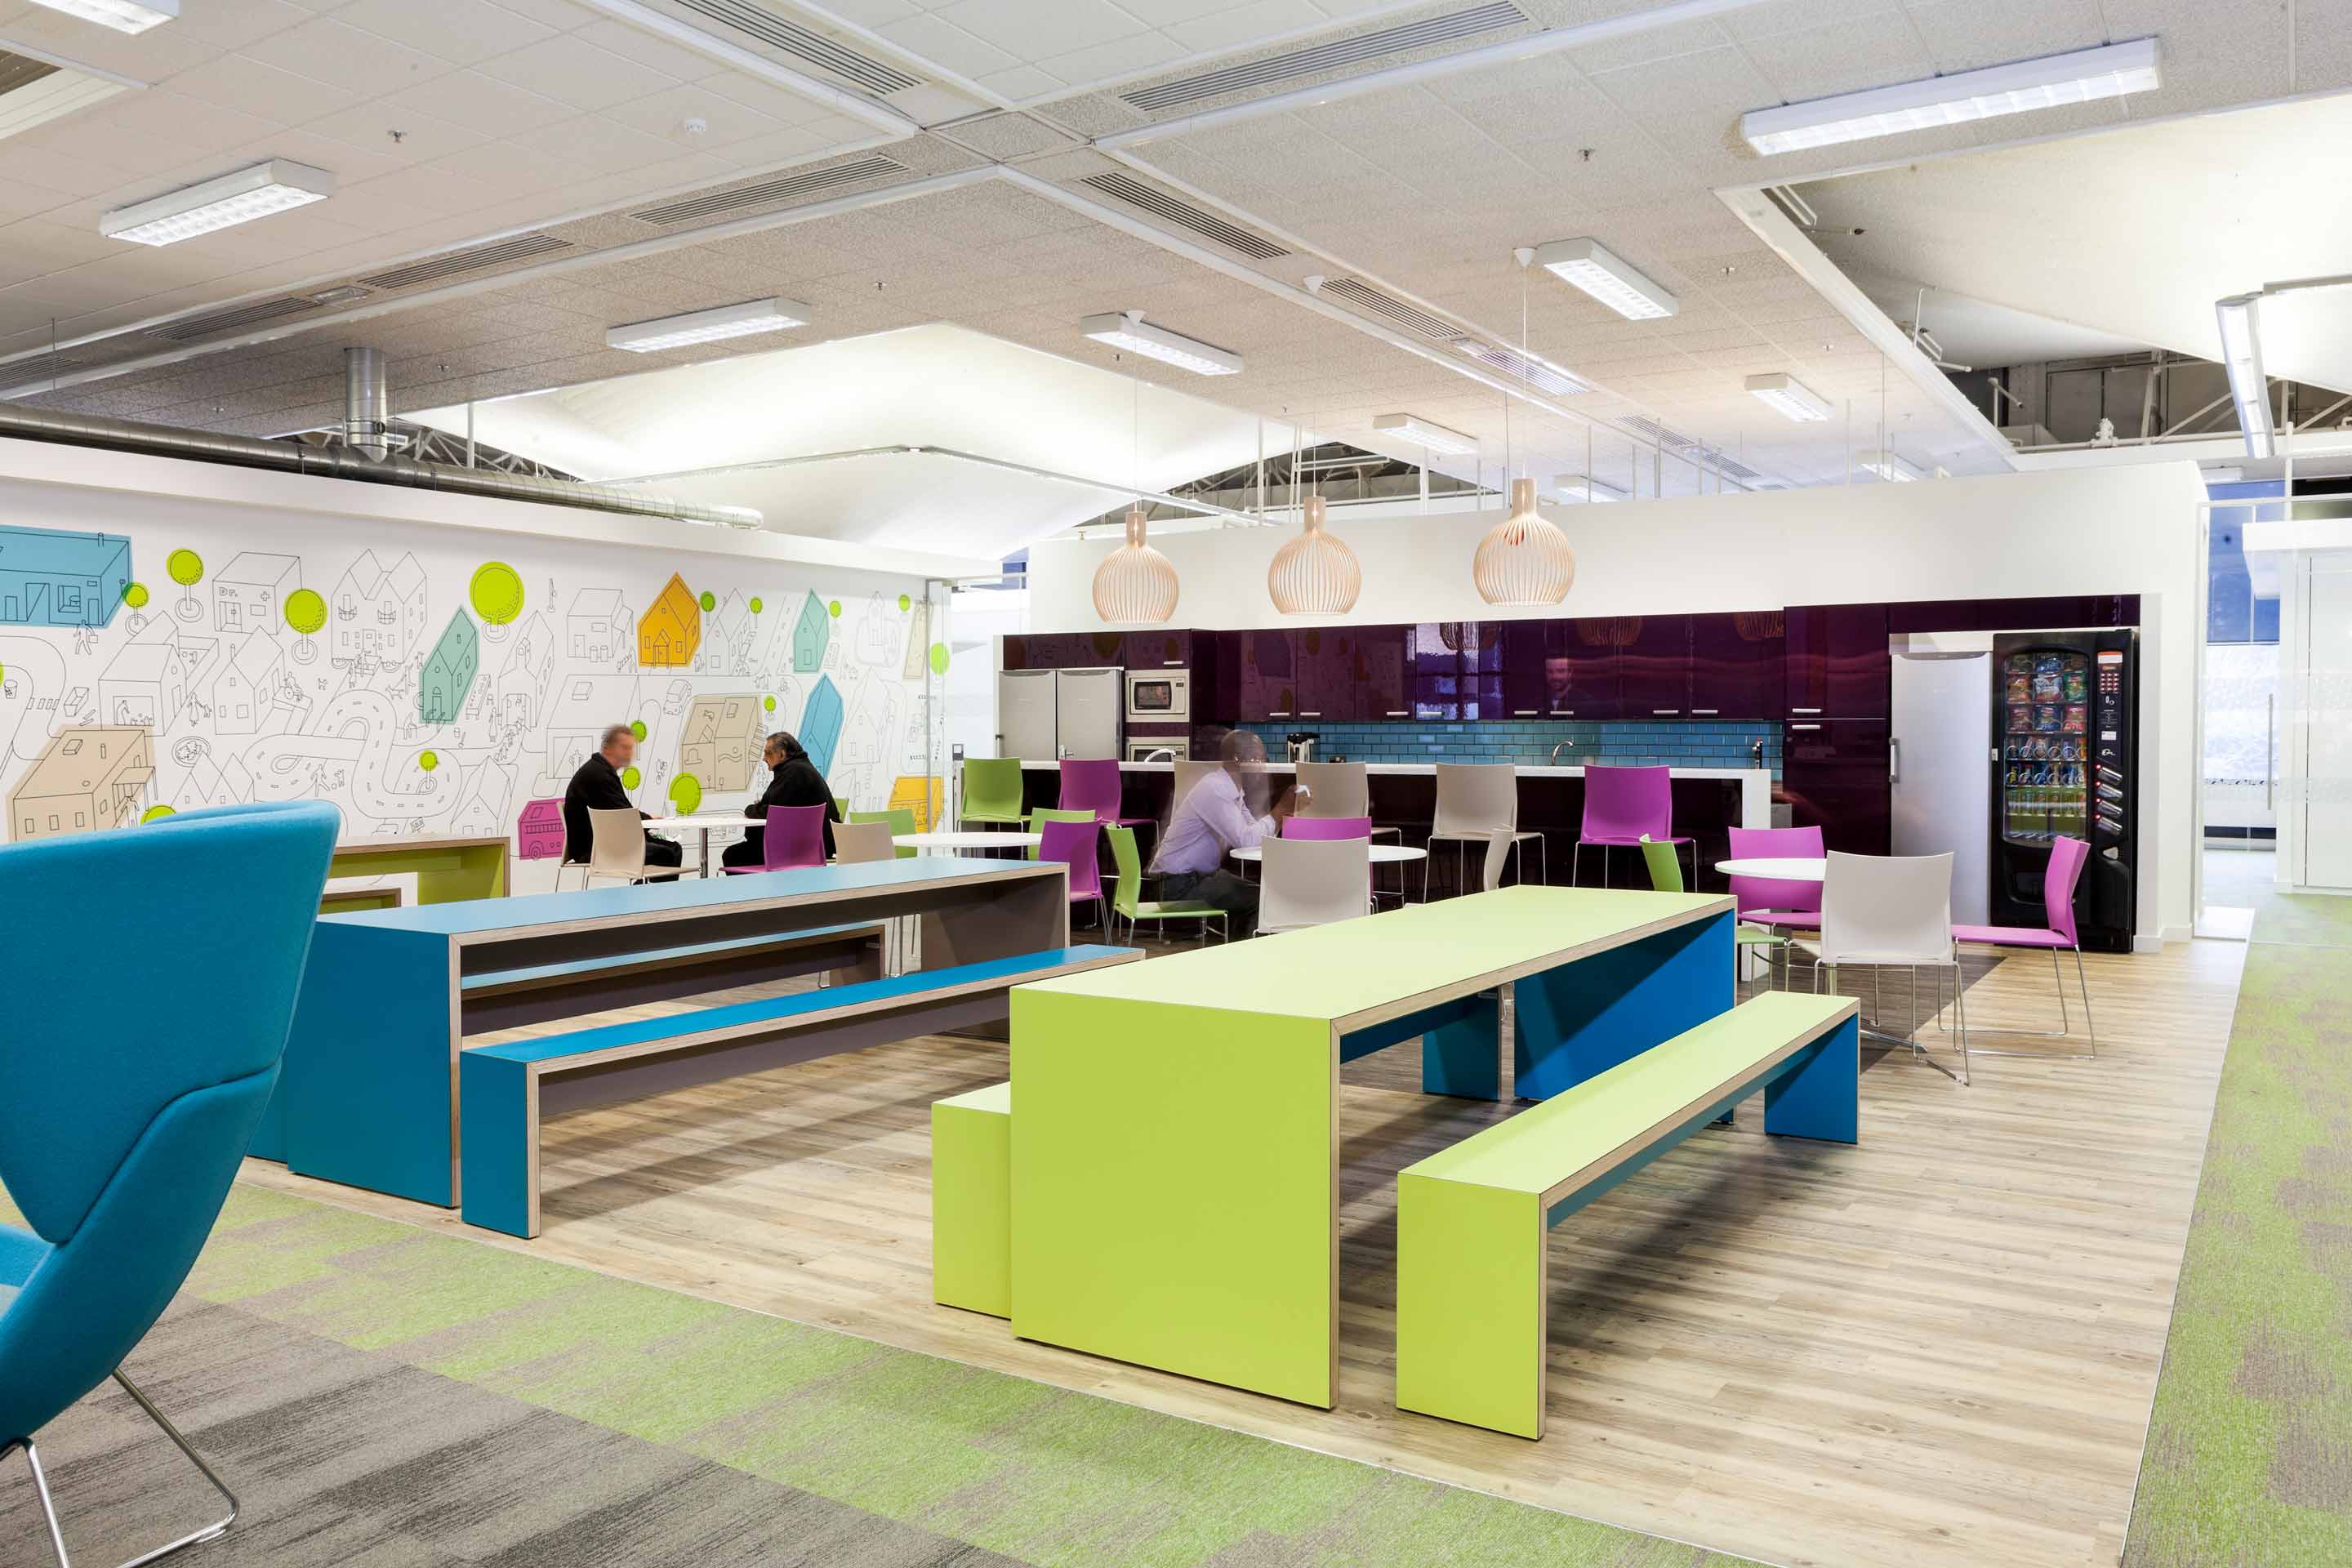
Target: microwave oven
column 1158, row 748
column 1163, row 696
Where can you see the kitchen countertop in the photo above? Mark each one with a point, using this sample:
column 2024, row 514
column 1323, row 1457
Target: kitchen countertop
column 1758, row 778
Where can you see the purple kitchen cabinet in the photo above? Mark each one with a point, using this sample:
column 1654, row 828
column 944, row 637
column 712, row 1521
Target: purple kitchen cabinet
column 1269, row 677
column 1653, row 664
column 1383, row 686
column 1837, row 661
column 1736, row 663
column 1834, row 775
column 1581, row 667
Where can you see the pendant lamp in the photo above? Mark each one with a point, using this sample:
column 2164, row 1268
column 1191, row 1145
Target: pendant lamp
column 1314, row 574
column 1135, row 584
column 1524, row 558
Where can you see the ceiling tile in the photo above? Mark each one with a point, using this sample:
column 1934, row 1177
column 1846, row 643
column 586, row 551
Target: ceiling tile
column 1029, row 31
column 949, row 46
column 578, row 73
column 459, row 30
column 366, row 64
column 477, row 102
column 237, row 81
column 664, row 114
column 390, row 132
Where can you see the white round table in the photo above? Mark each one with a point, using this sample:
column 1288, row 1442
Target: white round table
column 704, row 826
column 1382, row 854
column 1799, row 871
column 967, row 843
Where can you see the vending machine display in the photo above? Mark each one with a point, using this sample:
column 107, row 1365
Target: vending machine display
column 2065, row 760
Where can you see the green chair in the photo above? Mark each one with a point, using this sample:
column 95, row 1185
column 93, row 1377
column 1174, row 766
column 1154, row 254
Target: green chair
column 901, row 819
column 1046, row 814
column 1666, row 877
column 992, row 790
column 1126, row 899
column 841, row 804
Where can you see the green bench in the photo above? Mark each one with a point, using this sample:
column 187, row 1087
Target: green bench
column 971, row 1201
column 507, row 1090
column 1472, row 1221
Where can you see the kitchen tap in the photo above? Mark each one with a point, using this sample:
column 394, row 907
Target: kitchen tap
column 1563, row 746
column 1756, row 750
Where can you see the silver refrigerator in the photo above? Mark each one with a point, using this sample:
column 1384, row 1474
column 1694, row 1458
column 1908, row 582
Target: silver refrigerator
column 1939, row 767
column 1089, row 710
column 1024, row 714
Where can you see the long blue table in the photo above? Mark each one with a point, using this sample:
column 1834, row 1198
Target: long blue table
column 369, row 1094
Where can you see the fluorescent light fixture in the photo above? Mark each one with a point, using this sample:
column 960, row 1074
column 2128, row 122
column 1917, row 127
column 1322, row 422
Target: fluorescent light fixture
column 1584, row 487
column 1127, row 329
column 122, row 16
column 2109, row 71
column 1412, row 427
column 1588, row 265
column 1788, row 396
column 241, row 197
column 2242, row 356
column 1889, row 466
column 743, row 320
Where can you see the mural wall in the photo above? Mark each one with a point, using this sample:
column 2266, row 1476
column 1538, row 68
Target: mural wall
column 435, row 682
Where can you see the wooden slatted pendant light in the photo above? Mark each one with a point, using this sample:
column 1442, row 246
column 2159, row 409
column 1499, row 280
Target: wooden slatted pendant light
column 1315, row 573
column 1524, row 558
column 1135, row 584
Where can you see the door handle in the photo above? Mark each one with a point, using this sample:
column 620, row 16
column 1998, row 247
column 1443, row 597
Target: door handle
column 2270, row 746
column 1894, row 759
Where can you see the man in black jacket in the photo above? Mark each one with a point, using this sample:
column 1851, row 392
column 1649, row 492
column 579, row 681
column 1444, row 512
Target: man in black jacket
column 597, row 785
column 793, row 780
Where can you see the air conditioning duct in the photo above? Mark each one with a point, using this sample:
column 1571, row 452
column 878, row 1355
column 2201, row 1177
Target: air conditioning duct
column 367, row 404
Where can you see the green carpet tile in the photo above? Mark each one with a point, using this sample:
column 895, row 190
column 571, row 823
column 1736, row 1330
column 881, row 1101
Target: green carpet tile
column 2248, row 1461
column 934, row 1454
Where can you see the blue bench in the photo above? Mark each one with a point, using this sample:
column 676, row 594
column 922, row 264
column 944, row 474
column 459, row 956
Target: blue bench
column 509, row 998
column 506, row 1091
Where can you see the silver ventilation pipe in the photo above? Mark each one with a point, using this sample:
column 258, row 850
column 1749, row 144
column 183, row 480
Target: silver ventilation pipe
column 347, row 463
column 367, row 404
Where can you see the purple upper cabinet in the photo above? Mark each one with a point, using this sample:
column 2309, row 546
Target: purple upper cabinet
column 1735, row 665
column 1834, row 776
column 1323, row 661
column 1580, row 669
column 1269, row 677
column 1837, row 661
column 1382, row 661
column 1526, row 645
column 1159, row 649
column 1457, row 670
column 1654, row 654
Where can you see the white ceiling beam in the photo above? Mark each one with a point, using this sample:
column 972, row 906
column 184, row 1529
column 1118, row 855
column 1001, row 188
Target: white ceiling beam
column 839, row 100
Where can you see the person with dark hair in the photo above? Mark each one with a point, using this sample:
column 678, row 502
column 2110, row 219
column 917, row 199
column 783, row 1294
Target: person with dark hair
column 597, row 786
column 793, row 780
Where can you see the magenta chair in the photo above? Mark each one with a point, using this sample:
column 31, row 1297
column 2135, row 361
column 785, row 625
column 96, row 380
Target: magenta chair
column 1092, row 783
column 1768, row 900
column 792, row 838
column 1328, row 828
column 2067, row 857
column 1074, row 844
column 1624, row 806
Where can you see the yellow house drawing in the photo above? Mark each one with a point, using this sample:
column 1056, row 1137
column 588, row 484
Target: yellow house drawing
column 90, row 777
column 670, row 630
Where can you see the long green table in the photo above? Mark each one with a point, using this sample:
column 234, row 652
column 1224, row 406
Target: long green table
column 1176, row 1150
column 447, row 869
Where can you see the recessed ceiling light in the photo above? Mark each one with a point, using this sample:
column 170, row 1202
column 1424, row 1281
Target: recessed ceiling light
column 241, row 197
column 1588, row 265
column 122, row 16
column 1584, row 487
column 743, row 320
column 1421, row 432
column 2242, row 356
column 1127, row 329
column 1786, row 395
column 2109, row 71
column 1890, row 466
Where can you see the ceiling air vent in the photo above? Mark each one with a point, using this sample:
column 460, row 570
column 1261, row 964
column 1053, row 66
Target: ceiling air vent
column 1157, row 203
column 432, row 268
column 1540, row 373
column 1689, row 447
column 253, row 315
column 1369, row 298
column 24, row 372
column 768, row 191
column 800, row 43
column 1339, row 53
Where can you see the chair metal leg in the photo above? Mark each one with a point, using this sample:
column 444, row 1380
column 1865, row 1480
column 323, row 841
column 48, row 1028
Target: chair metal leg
column 49, row 1507
column 2058, row 978
column 1575, row 863
column 2082, row 978
column 213, row 1532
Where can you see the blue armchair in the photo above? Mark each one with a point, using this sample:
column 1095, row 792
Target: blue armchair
column 153, row 973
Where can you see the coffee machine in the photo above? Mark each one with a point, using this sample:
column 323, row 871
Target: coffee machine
column 1301, row 744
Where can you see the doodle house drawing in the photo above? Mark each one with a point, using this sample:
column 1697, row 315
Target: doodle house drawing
column 375, row 613
column 723, row 737
column 249, row 592
column 449, row 671
column 598, row 625
column 242, row 691
column 49, row 578
column 89, row 776
column 670, row 630
column 147, row 683
column 538, row 831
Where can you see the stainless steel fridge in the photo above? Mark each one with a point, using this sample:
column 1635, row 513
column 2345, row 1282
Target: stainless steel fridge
column 1939, row 768
column 1024, row 714
column 1090, row 709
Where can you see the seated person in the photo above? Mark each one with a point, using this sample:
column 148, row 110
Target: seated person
column 1212, row 819
column 793, row 780
column 597, row 786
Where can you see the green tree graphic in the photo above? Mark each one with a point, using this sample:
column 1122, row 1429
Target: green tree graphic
column 496, row 592
column 686, row 794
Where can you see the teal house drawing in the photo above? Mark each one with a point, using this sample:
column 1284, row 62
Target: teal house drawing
column 809, row 634
column 821, row 723
column 449, row 671
column 51, row 578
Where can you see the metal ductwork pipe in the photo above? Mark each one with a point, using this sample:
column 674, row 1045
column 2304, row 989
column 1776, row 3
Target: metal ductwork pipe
column 367, row 404
column 348, row 463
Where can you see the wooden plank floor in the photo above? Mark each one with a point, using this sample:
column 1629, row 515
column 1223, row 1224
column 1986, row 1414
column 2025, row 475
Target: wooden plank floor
column 1938, row 1348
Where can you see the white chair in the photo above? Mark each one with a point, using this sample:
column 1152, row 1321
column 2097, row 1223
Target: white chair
column 1314, row 881
column 1892, row 912
column 616, row 848
column 1478, row 803
column 854, row 842
column 1345, row 789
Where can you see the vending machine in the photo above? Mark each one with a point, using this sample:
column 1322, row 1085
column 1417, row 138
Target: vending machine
column 2066, row 752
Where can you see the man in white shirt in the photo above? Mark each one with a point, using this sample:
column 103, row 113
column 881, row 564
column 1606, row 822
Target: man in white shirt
column 1212, row 819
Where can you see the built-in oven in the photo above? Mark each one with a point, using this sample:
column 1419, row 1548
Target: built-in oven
column 1158, row 749
column 1159, row 696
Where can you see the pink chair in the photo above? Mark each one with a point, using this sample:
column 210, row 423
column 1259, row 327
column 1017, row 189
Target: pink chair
column 1074, row 844
column 2067, row 859
column 1092, row 783
column 1624, row 806
column 1768, row 900
column 792, row 838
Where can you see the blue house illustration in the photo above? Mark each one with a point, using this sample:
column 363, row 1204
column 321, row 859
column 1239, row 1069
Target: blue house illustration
column 449, row 671
column 821, row 723
column 810, row 634
column 51, row 578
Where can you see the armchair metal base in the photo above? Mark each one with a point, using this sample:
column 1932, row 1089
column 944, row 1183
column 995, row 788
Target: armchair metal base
column 213, row 1532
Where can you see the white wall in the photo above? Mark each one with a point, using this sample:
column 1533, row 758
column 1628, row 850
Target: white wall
column 2108, row 530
